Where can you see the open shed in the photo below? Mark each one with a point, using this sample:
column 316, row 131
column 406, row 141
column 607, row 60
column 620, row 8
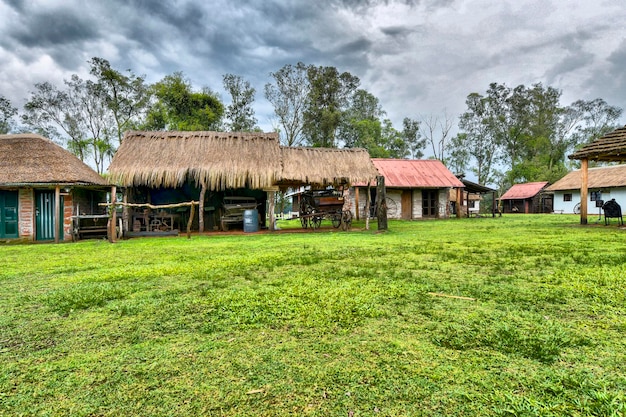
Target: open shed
column 608, row 148
column 164, row 168
column 43, row 187
column 527, row 198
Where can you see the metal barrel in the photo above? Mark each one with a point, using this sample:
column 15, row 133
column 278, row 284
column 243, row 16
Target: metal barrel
column 251, row 221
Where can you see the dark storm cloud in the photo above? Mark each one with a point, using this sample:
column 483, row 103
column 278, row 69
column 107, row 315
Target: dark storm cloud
column 64, row 26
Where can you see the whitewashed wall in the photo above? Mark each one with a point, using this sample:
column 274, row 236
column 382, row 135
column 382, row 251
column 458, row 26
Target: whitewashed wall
column 619, row 194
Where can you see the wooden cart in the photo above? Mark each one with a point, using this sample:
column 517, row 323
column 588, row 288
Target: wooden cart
column 316, row 205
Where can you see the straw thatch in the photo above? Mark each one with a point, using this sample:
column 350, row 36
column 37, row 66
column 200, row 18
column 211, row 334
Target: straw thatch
column 29, row 159
column 218, row 160
column 602, row 177
column 610, row 147
column 326, row 166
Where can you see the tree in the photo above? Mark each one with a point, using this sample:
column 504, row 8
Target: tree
column 329, row 96
column 92, row 117
column 178, row 107
column 7, row 111
column 413, row 138
column 51, row 113
column 125, row 96
column 240, row 112
column 288, row 95
column 436, row 131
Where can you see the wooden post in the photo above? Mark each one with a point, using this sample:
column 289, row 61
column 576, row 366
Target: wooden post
column 271, row 195
column 58, row 216
column 584, row 166
column 125, row 213
column 201, row 209
column 459, row 202
column 190, row 221
column 367, row 206
column 381, row 204
column 113, row 216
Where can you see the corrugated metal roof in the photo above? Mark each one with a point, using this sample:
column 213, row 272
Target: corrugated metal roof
column 415, row 173
column 523, row 191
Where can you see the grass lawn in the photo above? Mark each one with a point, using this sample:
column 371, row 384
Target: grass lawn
column 324, row 323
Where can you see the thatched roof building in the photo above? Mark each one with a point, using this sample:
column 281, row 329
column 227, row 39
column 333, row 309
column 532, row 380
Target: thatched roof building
column 29, row 159
column 218, row 160
column 610, row 147
column 231, row 160
column 601, row 177
column 325, row 166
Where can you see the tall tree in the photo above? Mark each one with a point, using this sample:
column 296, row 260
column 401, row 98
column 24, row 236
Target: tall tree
column 413, row 138
column 50, row 112
column 329, row 96
column 288, row 94
column 126, row 96
column 436, row 130
column 7, row 112
column 239, row 112
column 93, row 118
column 178, row 107
column 360, row 125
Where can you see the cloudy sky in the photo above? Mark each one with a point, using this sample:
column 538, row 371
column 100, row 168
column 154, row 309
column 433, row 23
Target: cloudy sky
column 419, row 57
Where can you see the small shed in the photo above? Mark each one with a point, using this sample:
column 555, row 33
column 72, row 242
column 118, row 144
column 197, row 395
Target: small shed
column 604, row 184
column 527, row 198
column 608, row 148
column 471, row 198
column 415, row 189
column 42, row 187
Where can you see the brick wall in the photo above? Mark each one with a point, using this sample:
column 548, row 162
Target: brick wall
column 27, row 213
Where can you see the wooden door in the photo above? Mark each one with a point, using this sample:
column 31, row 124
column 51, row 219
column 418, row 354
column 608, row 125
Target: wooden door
column 9, row 214
column 429, row 203
column 45, row 219
column 407, row 205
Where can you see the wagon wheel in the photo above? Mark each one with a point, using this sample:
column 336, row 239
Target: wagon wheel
column 316, row 221
column 304, row 221
column 392, row 208
column 577, row 208
column 336, row 219
column 346, row 220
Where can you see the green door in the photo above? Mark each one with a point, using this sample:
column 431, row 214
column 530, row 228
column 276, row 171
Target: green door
column 45, row 220
column 8, row 214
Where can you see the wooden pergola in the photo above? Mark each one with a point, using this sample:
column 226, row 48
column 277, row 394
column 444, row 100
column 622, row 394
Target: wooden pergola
column 608, row 148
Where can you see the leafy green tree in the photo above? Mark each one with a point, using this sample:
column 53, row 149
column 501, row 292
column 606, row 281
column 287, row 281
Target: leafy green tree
column 288, row 94
column 125, row 95
column 240, row 113
column 178, row 107
column 52, row 113
column 329, row 96
column 413, row 138
column 7, row 112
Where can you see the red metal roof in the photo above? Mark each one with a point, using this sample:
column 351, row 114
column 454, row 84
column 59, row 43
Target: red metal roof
column 524, row 191
column 415, row 173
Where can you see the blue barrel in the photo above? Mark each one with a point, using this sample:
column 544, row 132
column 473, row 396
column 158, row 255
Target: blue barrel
column 251, row 221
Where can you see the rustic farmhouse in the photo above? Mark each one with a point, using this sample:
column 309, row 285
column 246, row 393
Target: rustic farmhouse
column 415, row 189
column 604, row 183
column 527, row 198
column 42, row 186
column 165, row 168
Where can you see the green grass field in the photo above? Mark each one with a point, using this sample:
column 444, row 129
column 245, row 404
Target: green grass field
column 325, row 323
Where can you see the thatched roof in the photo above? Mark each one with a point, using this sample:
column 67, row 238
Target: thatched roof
column 602, row 177
column 219, row 160
column 610, row 147
column 28, row 159
column 325, row 166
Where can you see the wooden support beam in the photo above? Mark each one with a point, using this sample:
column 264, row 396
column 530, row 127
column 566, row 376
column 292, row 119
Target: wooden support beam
column 201, row 209
column 584, row 189
column 381, row 204
column 58, row 216
column 271, row 195
column 459, row 202
column 113, row 217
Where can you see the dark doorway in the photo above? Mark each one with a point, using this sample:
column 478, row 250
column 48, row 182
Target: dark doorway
column 429, row 203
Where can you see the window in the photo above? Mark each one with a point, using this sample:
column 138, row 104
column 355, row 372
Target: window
column 596, row 195
column 567, row 197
